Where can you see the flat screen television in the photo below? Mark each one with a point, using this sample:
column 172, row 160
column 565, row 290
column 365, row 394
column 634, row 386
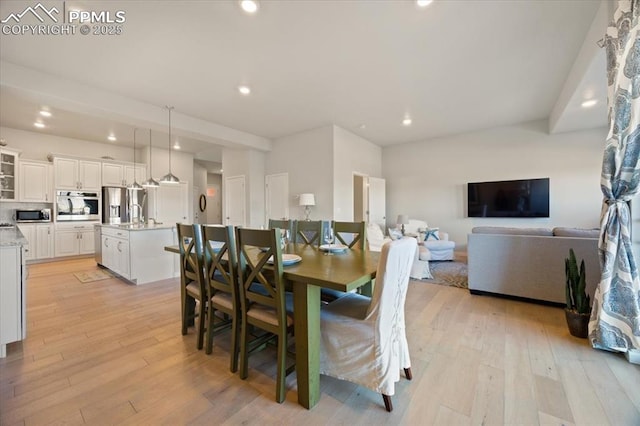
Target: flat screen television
column 509, row 198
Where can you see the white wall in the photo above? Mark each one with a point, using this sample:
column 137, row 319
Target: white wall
column 351, row 154
column 308, row 158
column 199, row 188
column 427, row 180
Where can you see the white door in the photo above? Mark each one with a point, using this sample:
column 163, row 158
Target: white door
column 172, row 203
column 377, row 201
column 214, row 204
column 277, row 196
column 234, row 201
column 200, row 206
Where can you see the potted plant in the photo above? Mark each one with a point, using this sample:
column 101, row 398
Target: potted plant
column 578, row 310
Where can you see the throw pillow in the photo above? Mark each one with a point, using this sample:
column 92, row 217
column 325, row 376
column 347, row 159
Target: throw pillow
column 374, row 232
column 432, row 234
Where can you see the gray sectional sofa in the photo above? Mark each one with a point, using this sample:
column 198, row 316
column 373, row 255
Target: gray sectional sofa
column 529, row 262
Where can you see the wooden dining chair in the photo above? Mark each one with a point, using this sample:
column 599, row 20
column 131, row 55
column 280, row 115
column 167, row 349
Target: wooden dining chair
column 220, row 266
column 281, row 223
column 351, row 234
column 265, row 310
column 192, row 285
column 363, row 339
column 308, row 232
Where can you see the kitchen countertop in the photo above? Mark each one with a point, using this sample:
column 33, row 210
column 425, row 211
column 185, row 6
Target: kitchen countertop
column 137, row 226
column 11, row 236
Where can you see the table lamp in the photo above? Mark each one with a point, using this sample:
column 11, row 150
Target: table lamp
column 307, row 200
column 403, row 220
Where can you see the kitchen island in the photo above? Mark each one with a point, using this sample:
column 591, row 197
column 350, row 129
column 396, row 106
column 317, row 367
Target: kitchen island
column 136, row 253
column 13, row 291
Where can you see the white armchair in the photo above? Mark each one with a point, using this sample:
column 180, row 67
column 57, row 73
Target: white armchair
column 436, row 246
column 376, row 239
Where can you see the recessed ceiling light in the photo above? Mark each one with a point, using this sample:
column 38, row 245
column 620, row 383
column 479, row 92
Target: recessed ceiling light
column 245, row 90
column 176, row 145
column 45, row 113
column 112, row 138
column 249, row 6
column 423, row 3
column 39, row 125
column 406, row 122
column 589, row 103
column 362, row 126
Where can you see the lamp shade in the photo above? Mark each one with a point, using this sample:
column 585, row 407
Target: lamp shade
column 307, row 200
column 403, row 219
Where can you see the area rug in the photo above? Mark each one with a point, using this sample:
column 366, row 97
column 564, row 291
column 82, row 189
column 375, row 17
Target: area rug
column 454, row 274
column 91, row 276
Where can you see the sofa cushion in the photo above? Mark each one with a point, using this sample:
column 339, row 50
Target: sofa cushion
column 576, row 232
column 545, row 232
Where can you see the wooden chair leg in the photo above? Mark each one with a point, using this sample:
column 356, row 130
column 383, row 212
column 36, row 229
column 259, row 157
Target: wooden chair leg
column 201, row 323
column 209, row 338
column 282, row 367
column 234, row 343
column 387, row 402
column 244, row 348
column 407, row 373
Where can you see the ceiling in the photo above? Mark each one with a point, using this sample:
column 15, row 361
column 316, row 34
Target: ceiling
column 452, row 67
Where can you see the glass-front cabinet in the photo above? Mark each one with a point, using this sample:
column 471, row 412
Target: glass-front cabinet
column 8, row 175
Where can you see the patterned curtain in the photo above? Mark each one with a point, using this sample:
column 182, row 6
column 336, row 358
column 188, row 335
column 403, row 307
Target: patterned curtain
column 615, row 319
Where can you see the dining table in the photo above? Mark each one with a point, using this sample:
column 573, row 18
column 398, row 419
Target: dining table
column 344, row 270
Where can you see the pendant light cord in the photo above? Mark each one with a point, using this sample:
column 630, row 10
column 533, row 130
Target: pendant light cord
column 170, row 108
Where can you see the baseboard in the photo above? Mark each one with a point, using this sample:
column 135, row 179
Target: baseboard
column 517, row 298
column 633, row 356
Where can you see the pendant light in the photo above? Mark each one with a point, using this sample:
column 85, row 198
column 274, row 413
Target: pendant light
column 150, row 183
column 135, row 186
column 169, row 177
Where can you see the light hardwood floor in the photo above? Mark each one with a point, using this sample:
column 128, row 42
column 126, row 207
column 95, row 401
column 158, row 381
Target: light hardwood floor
column 110, row 353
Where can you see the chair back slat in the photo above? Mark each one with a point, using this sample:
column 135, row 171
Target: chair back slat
column 308, row 232
column 219, row 260
column 255, row 247
column 351, row 234
column 189, row 240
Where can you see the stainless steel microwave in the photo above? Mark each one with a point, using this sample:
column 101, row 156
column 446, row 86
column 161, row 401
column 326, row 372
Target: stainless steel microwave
column 77, row 205
column 42, row 215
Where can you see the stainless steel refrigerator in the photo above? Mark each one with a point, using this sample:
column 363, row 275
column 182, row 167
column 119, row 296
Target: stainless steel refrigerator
column 120, row 205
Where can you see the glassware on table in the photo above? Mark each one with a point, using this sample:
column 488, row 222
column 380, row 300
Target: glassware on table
column 328, row 237
column 284, row 240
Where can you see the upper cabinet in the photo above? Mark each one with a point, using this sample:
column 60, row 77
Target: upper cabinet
column 8, row 175
column 74, row 174
column 114, row 174
column 35, row 181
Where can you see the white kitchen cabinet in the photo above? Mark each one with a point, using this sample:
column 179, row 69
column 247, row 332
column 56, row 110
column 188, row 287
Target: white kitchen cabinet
column 35, row 182
column 135, row 173
column 114, row 174
column 138, row 255
column 29, row 232
column 74, row 240
column 8, row 175
column 71, row 173
column 12, row 297
column 40, row 238
column 115, row 251
column 44, row 241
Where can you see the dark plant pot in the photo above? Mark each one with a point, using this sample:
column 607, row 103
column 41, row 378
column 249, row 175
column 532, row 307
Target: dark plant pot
column 578, row 323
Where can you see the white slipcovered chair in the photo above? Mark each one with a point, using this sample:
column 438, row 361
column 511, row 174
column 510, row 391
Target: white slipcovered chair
column 437, row 245
column 376, row 239
column 363, row 339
